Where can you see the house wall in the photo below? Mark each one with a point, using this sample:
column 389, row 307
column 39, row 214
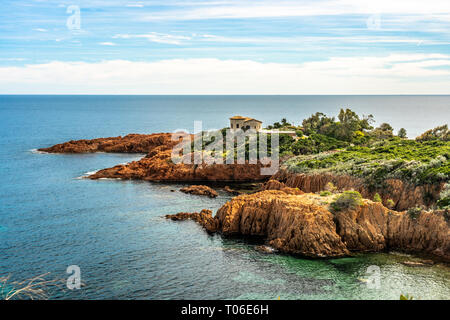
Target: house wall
column 253, row 124
column 234, row 123
column 242, row 123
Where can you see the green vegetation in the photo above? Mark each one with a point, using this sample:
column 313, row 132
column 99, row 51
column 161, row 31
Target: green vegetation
column 325, row 193
column 390, row 203
column 347, row 200
column 349, row 127
column 330, row 187
column 402, row 133
column 414, row 213
column 444, row 199
column 406, row 297
column 439, row 133
column 316, row 143
column 350, row 145
column 395, row 158
column 377, row 198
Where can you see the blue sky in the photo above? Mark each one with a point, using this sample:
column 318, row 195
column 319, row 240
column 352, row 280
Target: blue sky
column 226, row 47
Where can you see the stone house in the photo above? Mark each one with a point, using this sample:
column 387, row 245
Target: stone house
column 245, row 123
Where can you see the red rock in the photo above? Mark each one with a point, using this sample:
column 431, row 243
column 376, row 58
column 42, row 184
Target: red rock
column 200, row 190
column 303, row 224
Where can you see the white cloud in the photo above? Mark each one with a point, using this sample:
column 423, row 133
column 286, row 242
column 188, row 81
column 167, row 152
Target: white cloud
column 393, row 74
column 155, row 37
column 135, row 5
column 261, row 9
column 107, row 43
column 40, row 30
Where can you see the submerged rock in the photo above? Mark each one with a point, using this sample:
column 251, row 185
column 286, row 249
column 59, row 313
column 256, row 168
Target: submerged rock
column 422, row 263
column 200, row 190
column 265, row 249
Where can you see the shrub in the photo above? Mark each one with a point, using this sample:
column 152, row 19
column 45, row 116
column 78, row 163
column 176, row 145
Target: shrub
column 325, row 193
column 414, row 213
column 410, row 161
column 377, row 198
column 347, row 200
column 390, row 203
column 438, row 133
column 330, row 187
column 444, row 200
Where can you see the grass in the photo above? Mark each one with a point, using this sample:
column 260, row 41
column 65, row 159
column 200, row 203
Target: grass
column 34, row 288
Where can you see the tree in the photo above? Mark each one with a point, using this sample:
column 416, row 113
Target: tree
column 284, row 122
column 384, row 131
column 402, row 133
column 438, row 133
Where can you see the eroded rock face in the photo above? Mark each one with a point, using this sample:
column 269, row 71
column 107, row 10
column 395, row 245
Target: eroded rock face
column 403, row 194
column 200, row 190
column 303, row 224
column 158, row 166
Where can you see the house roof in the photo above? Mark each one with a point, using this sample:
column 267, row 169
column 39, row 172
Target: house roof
column 244, row 118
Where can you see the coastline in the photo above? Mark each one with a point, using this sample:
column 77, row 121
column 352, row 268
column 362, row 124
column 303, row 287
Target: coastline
column 155, row 167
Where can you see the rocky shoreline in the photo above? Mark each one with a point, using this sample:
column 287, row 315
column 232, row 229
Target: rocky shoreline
column 302, row 223
column 286, row 211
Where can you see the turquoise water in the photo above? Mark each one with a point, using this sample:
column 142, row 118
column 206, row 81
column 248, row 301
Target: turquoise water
column 114, row 230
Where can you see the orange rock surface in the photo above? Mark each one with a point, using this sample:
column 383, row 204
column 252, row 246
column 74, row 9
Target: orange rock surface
column 157, row 165
column 403, row 194
column 303, row 224
column 200, row 190
column 131, row 143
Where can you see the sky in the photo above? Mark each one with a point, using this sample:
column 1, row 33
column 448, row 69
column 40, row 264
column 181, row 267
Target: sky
column 225, row 47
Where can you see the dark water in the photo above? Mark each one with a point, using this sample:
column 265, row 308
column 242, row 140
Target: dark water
column 115, row 232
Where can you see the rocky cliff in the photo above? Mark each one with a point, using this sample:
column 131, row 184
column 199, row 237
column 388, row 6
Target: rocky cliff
column 131, row 143
column 298, row 223
column 157, row 165
column 404, row 195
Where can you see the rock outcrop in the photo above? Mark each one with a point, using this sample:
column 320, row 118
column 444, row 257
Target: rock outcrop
column 404, row 195
column 203, row 217
column 157, row 165
column 200, row 190
column 303, row 224
column 131, row 143
column 160, row 167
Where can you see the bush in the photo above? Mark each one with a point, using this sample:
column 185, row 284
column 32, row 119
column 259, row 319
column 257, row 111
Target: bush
column 347, row 200
column 390, row 203
column 438, row 133
column 414, row 213
column 299, row 133
column 377, row 198
column 325, row 193
column 410, row 161
column 444, row 199
column 330, row 187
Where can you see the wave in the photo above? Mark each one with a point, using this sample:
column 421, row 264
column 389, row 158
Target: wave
column 87, row 174
column 36, row 151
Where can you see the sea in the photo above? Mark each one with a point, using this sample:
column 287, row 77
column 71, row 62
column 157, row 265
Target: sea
column 115, row 231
